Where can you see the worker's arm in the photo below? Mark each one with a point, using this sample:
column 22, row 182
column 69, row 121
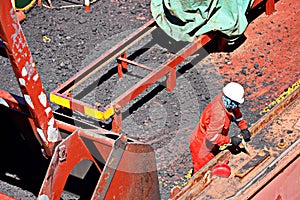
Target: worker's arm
column 239, row 119
column 242, row 124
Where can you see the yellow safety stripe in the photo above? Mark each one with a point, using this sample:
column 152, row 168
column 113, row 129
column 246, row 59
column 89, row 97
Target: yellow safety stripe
column 98, row 114
column 60, row 101
column 108, row 113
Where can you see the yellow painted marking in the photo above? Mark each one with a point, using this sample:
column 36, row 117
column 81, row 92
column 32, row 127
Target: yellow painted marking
column 108, row 113
column 281, row 97
column 46, row 39
column 189, row 174
column 98, row 114
column 60, row 101
column 90, row 111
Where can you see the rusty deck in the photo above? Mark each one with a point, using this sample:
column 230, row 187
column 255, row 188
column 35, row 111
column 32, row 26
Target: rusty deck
column 277, row 133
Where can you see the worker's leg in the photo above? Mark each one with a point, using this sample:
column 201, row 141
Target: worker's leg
column 199, row 162
column 200, row 155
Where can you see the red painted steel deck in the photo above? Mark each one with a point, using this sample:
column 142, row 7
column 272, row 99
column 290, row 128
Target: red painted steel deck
column 281, row 164
column 267, row 63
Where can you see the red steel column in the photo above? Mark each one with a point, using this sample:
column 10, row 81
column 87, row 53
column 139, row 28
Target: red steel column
column 28, row 78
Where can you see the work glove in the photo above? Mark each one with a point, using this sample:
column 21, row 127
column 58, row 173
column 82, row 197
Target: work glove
column 235, row 140
column 246, row 135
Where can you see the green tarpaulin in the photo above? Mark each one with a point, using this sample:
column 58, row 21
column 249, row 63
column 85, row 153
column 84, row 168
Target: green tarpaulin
column 23, row 4
column 184, row 20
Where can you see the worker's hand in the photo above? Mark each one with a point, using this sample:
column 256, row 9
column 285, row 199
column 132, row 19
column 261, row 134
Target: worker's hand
column 235, row 140
column 246, row 135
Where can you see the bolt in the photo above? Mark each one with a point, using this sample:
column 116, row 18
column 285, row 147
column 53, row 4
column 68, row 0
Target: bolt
column 282, row 144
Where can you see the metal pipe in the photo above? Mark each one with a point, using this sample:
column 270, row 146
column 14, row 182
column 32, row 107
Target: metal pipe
column 135, row 63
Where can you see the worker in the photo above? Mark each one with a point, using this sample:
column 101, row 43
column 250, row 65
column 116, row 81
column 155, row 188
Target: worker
column 213, row 127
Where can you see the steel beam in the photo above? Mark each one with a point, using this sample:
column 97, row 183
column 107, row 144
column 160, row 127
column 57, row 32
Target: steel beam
column 29, row 81
column 168, row 69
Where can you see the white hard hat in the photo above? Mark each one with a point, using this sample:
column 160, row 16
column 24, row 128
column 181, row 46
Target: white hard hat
column 234, row 91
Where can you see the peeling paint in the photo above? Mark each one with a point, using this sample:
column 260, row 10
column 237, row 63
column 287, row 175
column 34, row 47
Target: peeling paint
column 35, row 77
column 41, row 133
column 48, row 110
column 20, row 48
column 43, row 197
column 24, row 72
column 3, row 102
column 51, row 122
column 43, row 99
column 52, row 132
column 22, row 81
column 29, row 68
column 28, row 100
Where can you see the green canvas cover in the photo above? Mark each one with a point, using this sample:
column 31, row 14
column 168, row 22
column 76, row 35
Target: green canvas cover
column 24, row 4
column 184, row 20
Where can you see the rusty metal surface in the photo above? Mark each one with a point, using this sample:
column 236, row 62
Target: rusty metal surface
column 285, row 186
column 109, row 171
column 255, row 161
column 61, row 165
column 127, row 169
column 272, row 129
column 134, row 178
column 200, row 180
column 283, row 167
column 29, row 81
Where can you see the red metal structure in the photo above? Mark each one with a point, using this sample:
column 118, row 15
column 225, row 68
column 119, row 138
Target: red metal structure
column 116, row 159
column 61, row 95
column 119, row 162
column 249, row 179
column 119, row 167
column 31, row 86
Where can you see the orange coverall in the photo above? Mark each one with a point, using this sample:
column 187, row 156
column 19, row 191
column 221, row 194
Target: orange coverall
column 212, row 130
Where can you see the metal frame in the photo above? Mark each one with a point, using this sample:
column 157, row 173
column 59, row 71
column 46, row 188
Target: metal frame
column 125, row 161
column 116, row 157
column 62, row 97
